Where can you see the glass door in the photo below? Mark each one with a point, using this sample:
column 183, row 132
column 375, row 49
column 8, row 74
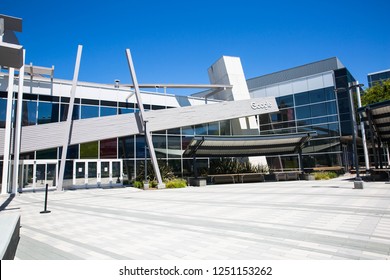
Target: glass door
column 97, row 173
column 35, row 174
column 105, row 172
column 92, row 175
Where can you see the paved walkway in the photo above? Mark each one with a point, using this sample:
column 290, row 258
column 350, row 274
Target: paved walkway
column 283, row 220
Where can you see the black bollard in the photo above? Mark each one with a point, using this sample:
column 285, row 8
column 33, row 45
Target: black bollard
column 45, row 209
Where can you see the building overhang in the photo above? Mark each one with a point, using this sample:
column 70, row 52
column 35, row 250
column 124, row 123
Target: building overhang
column 11, row 55
column 242, row 146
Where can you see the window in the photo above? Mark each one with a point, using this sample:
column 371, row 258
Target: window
column 89, row 111
column 317, row 95
column 301, row 98
column 89, row 150
column 3, row 110
column 47, row 112
column 174, row 147
column 29, row 113
column 126, row 147
column 318, row 110
column 303, row 112
column 108, row 148
column 107, row 111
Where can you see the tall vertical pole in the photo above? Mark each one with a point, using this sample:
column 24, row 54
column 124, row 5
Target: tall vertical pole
column 68, row 132
column 148, row 136
column 7, row 138
column 18, row 127
column 365, row 150
column 358, row 183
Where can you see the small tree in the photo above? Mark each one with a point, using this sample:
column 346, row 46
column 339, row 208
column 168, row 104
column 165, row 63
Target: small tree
column 378, row 92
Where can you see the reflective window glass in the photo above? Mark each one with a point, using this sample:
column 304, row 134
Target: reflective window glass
column 214, row 128
column 174, row 131
column 330, row 94
column 188, row 130
column 174, row 147
column 107, row 111
column 72, row 153
column 331, row 108
column 122, row 111
column 3, row 110
column 318, row 110
column 225, row 127
column 47, row 154
column 64, row 112
column 29, row 113
column 89, row 111
column 126, row 147
column 140, row 147
column 285, row 101
column 47, row 112
column 317, row 95
column 301, row 98
column 201, row 129
column 160, row 145
column 303, row 112
column 89, row 150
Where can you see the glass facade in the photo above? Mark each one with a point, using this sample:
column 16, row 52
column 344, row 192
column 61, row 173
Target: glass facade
column 321, row 110
column 315, row 110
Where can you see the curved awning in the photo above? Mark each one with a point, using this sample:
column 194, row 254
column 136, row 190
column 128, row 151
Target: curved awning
column 241, row 146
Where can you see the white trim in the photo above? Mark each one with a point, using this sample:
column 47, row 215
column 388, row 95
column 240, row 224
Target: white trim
column 7, row 138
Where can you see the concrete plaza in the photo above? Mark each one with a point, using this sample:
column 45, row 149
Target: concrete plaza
column 273, row 220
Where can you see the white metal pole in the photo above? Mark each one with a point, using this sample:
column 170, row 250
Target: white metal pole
column 69, row 120
column 7, row 139
column 365, row 150
column 148, row 136
column 18, row 127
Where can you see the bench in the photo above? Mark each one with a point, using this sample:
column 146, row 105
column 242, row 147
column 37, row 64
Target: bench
column 9, row 235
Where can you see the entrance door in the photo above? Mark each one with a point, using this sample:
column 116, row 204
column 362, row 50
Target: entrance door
column 35, row 174
column 97, row 173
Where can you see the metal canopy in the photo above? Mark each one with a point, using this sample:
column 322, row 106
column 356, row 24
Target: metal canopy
column 239, row 146
column 377, row 118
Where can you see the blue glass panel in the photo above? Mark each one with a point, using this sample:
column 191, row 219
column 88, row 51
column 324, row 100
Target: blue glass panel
column 64, row 112
column 318, row 110
column 125, row 111
column 107, row 111
column 160, row 145
column 126, row 147
column 285, row 101
column 188, row 130
column 29, row 113
column 331, row 108
column 317, row 95
column 214, row 128
column 47, row 112
column 174, row 147
column 330, row 94
column 303, row 112
column 140, row 147
column 301, row 98
column 89, row 111
column 201, row 129
column 3, row 110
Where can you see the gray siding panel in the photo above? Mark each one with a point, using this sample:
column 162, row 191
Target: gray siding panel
column 295, row 73
column 41, row 137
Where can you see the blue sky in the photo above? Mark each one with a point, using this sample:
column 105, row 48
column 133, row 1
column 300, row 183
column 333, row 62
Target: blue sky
column 176, row 41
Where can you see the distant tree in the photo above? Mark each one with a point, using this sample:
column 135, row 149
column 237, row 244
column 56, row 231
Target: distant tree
column 377, row 93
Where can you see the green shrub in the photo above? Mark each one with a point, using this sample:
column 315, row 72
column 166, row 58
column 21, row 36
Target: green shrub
column 324, row 175
column 176, row 183
column 153, row 184
column 138, row 184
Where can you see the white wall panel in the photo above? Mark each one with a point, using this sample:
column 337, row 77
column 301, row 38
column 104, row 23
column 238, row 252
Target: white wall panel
column 315, row 82
column 300, row 86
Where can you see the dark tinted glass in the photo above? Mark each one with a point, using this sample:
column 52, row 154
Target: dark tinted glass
column 302, row 98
